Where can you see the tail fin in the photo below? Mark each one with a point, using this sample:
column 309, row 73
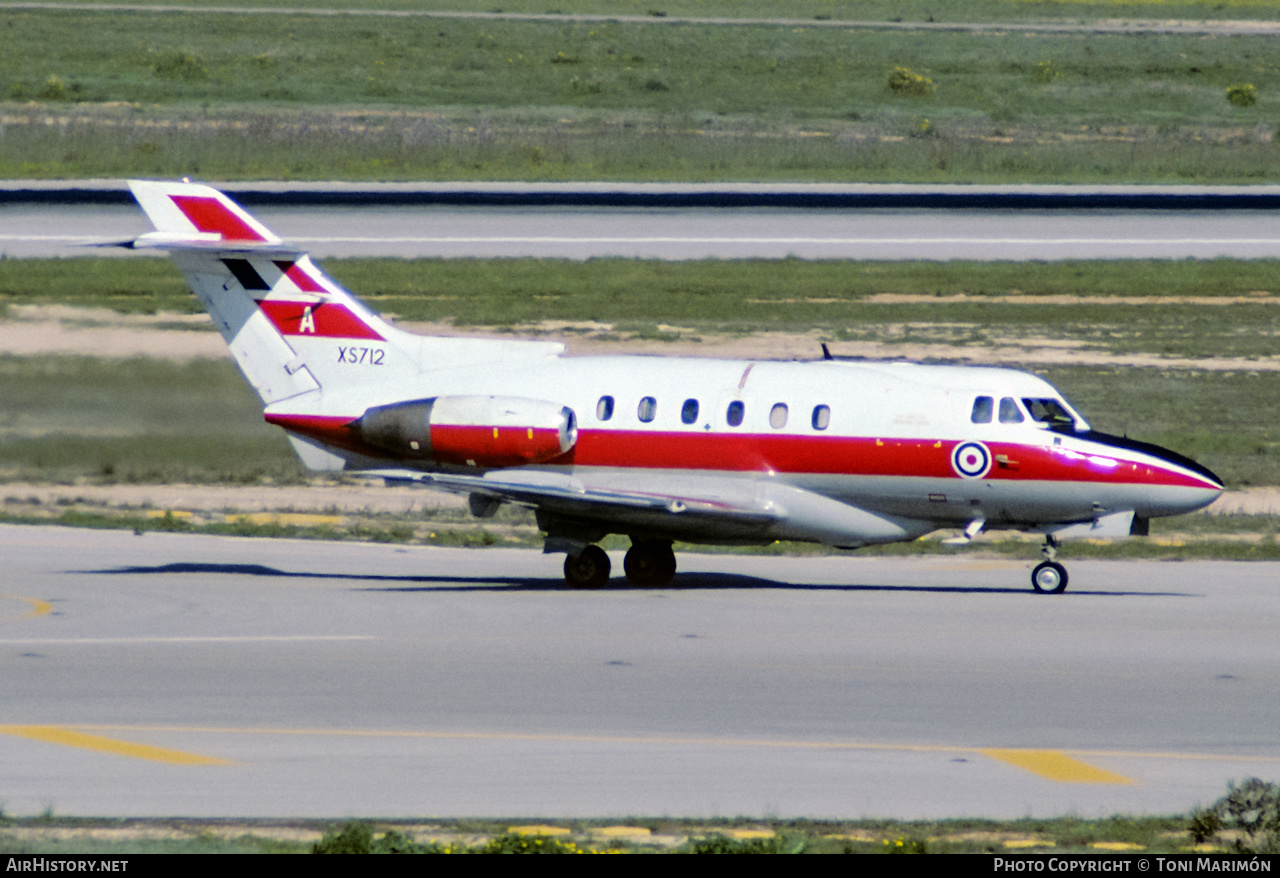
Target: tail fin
column 290, row 328
column 313, row 352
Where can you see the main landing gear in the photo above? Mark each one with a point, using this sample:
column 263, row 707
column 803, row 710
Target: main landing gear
column 589, row 569
column 1049, row 577
column 648, row 563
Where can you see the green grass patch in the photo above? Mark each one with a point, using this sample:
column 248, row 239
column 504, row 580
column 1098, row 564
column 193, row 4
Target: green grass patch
column 846, row 300
column 819, row 10
column 145, row 420
column 297, row 96
column 137, row 420
column 1149, row 834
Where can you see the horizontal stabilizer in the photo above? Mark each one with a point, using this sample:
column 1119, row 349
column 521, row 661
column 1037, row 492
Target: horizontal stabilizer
column 203, row 242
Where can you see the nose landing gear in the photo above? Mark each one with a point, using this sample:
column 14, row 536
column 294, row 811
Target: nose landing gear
column 1049, row 577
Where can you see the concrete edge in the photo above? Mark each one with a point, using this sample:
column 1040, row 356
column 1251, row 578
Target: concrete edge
column 675, row 195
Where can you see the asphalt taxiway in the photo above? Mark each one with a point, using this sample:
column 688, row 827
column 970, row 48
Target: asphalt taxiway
column 192, row 675
column 44, row 230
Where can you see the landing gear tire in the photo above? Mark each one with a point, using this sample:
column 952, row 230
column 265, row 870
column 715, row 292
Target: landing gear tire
column 1049, row 577
column 650, row 564
column 589, row 570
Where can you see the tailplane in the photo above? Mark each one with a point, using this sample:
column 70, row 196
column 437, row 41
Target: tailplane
column 291, row 329
column 316, row 355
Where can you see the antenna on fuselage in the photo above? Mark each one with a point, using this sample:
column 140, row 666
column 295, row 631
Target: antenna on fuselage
column 826, row 352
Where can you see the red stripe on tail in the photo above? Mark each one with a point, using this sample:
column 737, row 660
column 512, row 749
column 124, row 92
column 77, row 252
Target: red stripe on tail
column 301, row 279
column 323, row 320
column 211, row 215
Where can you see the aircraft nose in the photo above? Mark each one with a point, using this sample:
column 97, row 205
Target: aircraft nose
column 1189, row 486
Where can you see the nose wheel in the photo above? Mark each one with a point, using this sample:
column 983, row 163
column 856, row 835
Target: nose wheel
column 1049, row 577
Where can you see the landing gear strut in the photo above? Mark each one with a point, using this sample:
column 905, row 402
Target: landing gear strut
column 1049, row 577
column 589, row 569
column 650, row 563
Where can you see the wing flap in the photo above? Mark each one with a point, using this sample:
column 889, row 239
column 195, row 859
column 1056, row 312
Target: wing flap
column 554, row 490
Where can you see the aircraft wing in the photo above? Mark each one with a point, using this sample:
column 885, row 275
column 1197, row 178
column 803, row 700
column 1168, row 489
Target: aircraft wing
column 562, row 493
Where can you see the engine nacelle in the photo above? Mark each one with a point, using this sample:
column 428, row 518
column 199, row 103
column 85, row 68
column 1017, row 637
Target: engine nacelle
column 486, row 431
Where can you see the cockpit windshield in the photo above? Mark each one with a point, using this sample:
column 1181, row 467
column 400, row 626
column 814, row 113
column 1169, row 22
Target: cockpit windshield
column 1051, row 412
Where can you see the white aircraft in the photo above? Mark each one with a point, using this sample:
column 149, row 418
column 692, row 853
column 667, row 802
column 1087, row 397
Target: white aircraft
column 846, row 454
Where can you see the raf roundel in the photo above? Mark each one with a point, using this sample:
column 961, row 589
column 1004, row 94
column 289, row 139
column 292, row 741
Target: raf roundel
column 971, row 460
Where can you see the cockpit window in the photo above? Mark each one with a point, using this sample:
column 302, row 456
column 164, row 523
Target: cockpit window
column 1051, row 412
column 1009, row 411
column 983, row 406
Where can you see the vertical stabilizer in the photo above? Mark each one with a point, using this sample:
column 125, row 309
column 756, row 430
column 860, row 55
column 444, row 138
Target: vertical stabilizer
column 291, row 329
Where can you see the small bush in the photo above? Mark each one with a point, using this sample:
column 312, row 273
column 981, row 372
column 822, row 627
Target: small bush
column 1242, row 95
column 357, row 838
column 904, row 81
column 904, row 845
column 179, row 65
column 54, row 89
column 924, row 128
column 354, row 838
column 1044, row 72
column 1250, row 811
column 718, row 844
column 515, row 843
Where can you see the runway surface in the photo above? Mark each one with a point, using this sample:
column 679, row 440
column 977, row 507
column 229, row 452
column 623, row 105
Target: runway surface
column 185, row 675
column 728, row 233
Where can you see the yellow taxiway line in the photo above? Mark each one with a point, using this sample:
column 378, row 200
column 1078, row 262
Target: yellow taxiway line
column 70, row 738
column 1059, row 766
column 38, row 607
column 1056, row 765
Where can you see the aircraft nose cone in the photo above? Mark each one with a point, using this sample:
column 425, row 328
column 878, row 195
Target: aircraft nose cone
column 1190, row 485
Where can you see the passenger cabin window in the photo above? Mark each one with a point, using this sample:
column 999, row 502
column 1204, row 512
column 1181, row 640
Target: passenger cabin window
column 821, row 417
column 1009, row 412
column 647, row 410
column 983, row 407
column 778, row 416
column 733, row 417
column 604, row 408
column 689, row 411
column 1051, row 412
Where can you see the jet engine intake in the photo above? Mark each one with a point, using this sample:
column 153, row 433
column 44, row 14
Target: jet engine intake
column 481, row 431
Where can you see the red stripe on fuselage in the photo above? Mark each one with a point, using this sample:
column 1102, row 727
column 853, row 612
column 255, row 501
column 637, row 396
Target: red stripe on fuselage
column 211, row 215
column 320, row 319
column 806, row 455
column 858, row 456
